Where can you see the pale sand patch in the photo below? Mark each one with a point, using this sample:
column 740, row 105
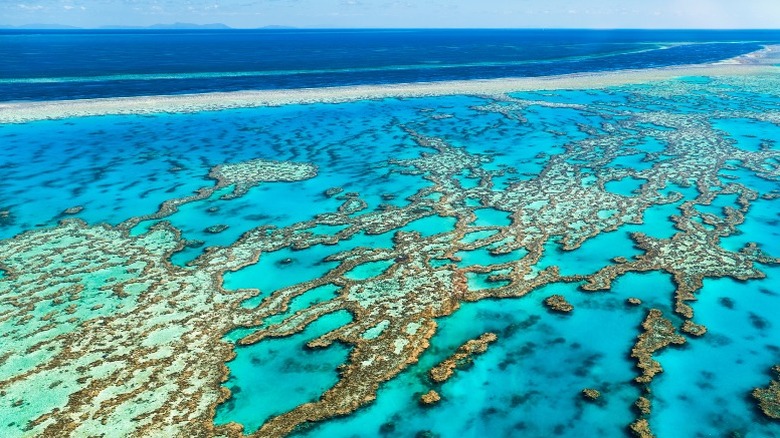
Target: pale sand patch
column 755, row 63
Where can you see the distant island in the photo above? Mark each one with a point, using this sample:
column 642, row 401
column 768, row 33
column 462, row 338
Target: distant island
column 171, row 26
column 38, row 26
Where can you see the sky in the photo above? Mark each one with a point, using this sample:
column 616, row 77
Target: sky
column 717, row 14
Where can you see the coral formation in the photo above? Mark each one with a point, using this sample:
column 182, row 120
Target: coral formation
column 641, row 429
column 216, row 229
column 103, row 319
column 692, row 328
column 658, row 333
column 558, row 303
column 430, row 397
column 129, row 341
column 462, row 358
column 769, row 398
column 643, row 405
column 591, row 394
column 246, row 174
column 73, row 210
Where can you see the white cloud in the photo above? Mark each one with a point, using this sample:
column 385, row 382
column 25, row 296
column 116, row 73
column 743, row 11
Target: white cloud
column 27, row 7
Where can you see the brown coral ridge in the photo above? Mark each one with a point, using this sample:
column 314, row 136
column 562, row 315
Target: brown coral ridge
column 591, row 394
column 429, row 398
column 658, row 333
column 641, row 426
column 643, row 406
column 462, row 358
column 634, row 301
column 769, row 398
column 641, row 429
column 695, row 251
column 558, row 303
column 693, row 329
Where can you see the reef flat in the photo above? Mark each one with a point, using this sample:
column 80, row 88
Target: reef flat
column 769, row 398
column 392, row 219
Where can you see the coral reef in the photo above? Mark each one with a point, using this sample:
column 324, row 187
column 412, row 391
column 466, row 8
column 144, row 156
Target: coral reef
column 643, row 405
column 769, row 398
column 430, row 397
column 462, row 358
column 130, row 341
column 591, row 394
column 216, row 229
column 641, row 429
column 246, row 174
column 73, row 210
column 692, row 328
column 658, row 333
column 558, row 303
column 109, row 325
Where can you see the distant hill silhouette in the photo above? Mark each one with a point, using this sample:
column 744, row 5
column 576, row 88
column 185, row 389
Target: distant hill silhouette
column 54, row 26
column 121, row 26
column 172, row 26
column 38, row 26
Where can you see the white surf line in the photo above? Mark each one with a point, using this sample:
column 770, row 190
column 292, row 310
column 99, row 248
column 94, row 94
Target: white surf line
column 759, row 62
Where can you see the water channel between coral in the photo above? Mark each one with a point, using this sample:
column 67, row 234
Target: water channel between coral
column 453, row 266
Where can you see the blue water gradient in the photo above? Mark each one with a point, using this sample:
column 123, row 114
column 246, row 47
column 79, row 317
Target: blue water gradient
column 42, row 65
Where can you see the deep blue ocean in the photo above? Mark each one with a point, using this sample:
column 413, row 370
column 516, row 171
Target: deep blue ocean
column 73, row 64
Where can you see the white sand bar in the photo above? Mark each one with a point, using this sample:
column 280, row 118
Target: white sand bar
column 759, row 62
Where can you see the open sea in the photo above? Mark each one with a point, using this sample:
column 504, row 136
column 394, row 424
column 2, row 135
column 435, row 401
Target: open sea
column 305, row 269
column 43, row 65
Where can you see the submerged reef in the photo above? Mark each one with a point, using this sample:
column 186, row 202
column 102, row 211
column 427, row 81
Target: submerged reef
column 246, row 174
column 769, row 398
column 462, row 358
column 430, row 397
column 692, row 328
column 100, row 317
column 591, row 394
column 641, row 429
column 658, row 333
column 558, row 303
column 113, row 328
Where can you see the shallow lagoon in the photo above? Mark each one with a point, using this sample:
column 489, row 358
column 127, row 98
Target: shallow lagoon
column 529, row 381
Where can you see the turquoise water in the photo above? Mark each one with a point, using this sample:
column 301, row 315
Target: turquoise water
column 750, row 135
column 528, row 383
column 368, row 270
column 626, row 186
column 742, row 338
column 760, row 227
column 290, row 266
column 599, row 251
column 274, row 376
column 520, row 386
column 491, row 217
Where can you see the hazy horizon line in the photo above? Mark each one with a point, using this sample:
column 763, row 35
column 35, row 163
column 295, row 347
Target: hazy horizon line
column 223, row 26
